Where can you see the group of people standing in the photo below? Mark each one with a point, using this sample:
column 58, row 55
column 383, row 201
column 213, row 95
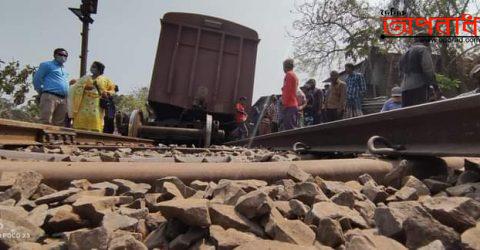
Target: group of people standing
column 308, row 105
column 86, row 103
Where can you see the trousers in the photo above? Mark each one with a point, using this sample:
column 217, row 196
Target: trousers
column 290, row 118
column 415, row 96
column 52, row 109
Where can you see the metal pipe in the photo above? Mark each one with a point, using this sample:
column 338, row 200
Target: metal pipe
column 59, row 174
column 84, row 49
column 152, row 131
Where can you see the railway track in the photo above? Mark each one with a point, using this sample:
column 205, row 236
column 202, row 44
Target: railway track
column 14, row 134
column 17, row 133
column 22, row 141
column 444, row 128
column 49, row 149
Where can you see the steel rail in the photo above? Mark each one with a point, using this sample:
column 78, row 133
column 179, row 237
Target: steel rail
column 25, row 133
column 59, row 174
column 444, row 128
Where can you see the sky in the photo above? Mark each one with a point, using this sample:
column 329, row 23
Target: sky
column 125, row 34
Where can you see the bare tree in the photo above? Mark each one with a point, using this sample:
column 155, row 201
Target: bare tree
column 449, row 52
column 329, row 32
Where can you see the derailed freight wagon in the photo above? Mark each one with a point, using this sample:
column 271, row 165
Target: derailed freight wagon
column 203, row 65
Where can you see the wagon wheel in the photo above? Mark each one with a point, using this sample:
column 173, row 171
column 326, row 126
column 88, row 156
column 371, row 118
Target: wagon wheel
column 135, row 122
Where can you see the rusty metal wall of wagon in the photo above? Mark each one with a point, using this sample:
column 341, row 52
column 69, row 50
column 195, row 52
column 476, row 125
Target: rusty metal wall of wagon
column 203, row 57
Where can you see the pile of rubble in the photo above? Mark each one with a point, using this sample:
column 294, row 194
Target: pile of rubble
column 302, row 212
column 159, row 154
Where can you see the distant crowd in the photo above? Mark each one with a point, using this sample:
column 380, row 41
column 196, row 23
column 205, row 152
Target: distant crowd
column 306, row 105
column 86, row 103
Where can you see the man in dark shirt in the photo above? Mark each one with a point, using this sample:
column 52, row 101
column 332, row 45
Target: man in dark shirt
column 326, row 92
column 315, row 101
column 109, row 118
column 418, row 71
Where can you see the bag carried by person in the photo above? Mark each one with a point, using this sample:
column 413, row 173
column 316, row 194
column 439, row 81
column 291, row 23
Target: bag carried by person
column 104, row 103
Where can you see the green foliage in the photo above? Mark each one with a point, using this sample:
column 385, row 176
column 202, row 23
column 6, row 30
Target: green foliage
column 27, row 113
column 32, row 109
column 15, row 83
column 136, row 99
column 445, row 83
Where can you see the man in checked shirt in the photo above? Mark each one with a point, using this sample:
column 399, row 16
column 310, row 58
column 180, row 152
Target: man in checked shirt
column 356, row 89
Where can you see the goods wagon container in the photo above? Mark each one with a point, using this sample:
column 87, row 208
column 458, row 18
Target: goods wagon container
column 202, row 66
column 202, row 60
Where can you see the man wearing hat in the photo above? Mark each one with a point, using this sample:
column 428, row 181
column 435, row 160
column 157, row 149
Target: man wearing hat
column 418, row 71
column 395, row 102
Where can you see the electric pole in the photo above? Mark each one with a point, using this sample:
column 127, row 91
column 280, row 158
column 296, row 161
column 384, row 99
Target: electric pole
column 87, row 8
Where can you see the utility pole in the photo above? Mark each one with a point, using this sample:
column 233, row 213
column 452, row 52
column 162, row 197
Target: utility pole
column 87, row 8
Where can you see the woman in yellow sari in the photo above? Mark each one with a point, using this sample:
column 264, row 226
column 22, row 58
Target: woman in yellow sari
column 84, row 99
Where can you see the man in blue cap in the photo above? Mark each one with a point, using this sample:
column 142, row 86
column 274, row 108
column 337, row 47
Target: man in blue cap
column 50, row 82
column 395, row 102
